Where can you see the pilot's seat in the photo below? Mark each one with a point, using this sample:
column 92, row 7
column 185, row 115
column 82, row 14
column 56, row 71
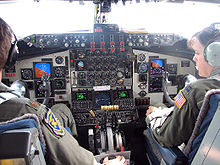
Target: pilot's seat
column 203, row 146
column 21, row 142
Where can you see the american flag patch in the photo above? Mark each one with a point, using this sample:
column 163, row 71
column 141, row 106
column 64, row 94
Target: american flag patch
column 180, row 100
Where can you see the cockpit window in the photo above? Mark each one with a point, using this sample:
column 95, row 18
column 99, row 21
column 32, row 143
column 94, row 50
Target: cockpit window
column 51, row 16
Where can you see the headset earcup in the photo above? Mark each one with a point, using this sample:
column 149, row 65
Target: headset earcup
column 12, row 56
column 212, row 53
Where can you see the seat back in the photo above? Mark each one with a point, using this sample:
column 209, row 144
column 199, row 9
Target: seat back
column 19, row 142
column 158, row 155
column 206, row 146
column 204, row 134
column 207, row 111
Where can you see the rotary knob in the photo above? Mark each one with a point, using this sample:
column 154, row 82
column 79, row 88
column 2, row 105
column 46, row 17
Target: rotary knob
column 130, row 44
column 66, row 45
column 77, row 41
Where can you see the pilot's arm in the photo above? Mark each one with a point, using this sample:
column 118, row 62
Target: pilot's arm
column 177, row 124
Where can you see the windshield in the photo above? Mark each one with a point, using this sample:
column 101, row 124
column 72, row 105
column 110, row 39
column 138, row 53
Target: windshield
column 29, row 17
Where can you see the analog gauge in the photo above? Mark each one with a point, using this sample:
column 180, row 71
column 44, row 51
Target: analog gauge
column 80, row 65
column 81, row 75
column 90, row 68
column 26, row 74
column 59, row 71
column 172, row 68
column 141, row 57
column 59, row 60
column 60, row 84
column 143, row 68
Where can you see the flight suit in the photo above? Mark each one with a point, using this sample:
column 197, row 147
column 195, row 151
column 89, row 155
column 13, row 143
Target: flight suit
column 64, row 115
column 178, row 125
column 61, row 147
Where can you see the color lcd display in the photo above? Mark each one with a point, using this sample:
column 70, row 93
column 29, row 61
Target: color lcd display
column 123, row 94
column 157, row 63
column 41, row 69
column 81, row 96
column 102, row 98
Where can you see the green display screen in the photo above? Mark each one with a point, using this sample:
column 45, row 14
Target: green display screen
column 81, row 96
column 123, row 94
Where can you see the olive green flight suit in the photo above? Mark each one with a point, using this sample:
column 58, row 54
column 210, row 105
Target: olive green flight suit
column 64, row 115
column 178, row 126
column 61, row 149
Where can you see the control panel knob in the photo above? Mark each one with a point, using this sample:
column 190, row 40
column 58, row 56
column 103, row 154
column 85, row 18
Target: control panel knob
column 41, row 40
column 55, row 40
column 77, row 41
column 66, row 45
column 130, row 44
column 48, row 43
column 142, row 93
column 146, row 43
column 140, row 40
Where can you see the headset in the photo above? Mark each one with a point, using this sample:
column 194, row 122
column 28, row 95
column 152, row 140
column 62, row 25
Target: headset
column 212, row 52
column 12, row 55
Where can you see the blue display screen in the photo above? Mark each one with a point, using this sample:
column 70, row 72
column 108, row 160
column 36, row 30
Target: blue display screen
column 157, row 63
column 102, row 98
column 42, row 68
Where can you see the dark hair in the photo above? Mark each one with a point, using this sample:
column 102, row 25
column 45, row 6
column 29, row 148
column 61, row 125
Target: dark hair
column 6, row 36
column 205, row 36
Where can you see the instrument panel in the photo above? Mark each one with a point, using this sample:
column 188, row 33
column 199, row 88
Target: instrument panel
column 102, row 76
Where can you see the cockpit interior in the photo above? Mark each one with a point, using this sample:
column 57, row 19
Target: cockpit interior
column 110, row 75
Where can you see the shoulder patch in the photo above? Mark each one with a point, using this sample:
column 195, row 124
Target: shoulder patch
column 180, row 100
column 53, row 124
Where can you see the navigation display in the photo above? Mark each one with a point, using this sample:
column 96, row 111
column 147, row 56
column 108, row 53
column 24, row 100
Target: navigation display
column 123, row 94
column 102, row 98
column 42, row 68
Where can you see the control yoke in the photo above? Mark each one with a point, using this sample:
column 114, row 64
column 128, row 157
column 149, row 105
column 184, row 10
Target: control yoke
column 188, row 78
column 45, row 88
column 165, row 83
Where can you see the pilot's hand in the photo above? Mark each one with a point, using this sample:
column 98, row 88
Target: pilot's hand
column 150, row 109
column 119, row 160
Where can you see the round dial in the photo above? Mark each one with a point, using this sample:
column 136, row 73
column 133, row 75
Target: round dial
column 59, row 72
column 141, row 57
column 59, row 60
column 143, row 68
column 80, row 65
column 26, row 74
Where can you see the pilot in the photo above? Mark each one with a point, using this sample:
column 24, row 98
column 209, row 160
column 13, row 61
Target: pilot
column 173, row 126
column 61, row 147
